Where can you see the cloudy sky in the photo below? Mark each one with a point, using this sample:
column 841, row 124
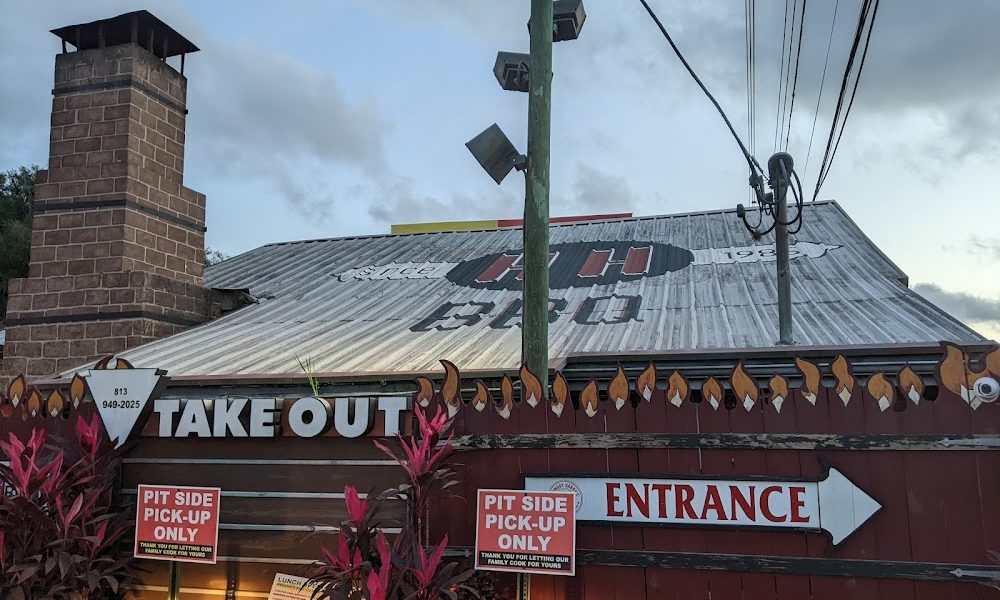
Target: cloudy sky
column 323, row 119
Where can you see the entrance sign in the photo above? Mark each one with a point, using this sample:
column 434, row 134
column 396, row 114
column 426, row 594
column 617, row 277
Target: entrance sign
column 290, row 587
column 834, row 504
column 120, row 395
column 526, row 532
column 177, row 523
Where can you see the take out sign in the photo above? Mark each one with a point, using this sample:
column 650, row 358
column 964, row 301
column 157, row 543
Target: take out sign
column 526, row 532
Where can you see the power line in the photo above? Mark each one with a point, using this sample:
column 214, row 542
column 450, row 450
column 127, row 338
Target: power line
column 857, row 79
column 753, row 77
column 866, row 18
column 795, row 81
column 751, row 161
column 787, row 76
column 822, row 83
column 749, row 25
column 782, row 78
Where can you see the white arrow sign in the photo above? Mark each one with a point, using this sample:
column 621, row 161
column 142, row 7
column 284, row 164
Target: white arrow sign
column 120, row 395
column 834, row 504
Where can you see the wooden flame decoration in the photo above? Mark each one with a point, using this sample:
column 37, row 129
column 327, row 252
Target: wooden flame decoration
column 33, row 403
column 483, row 398
column 845, row 381
column 588, row 398
column 711, row 390
column 451, row 388
column 910, row 384
column 744, row 387
column 881, row 390
column 506, row 398
column 952, row 372
column 779, row 391
column 77, row 390
column 892, row 390
column 425, row 392
column 531, row 387
column 15, row 391
column 113, row 362
column 645, row 385
column 55, row 403
column 992, row 362
column 618, row 389
column 560, row 394
column 810, row 380
column 678, row 390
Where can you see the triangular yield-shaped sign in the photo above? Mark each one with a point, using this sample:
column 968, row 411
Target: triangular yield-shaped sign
column 120, row 395
column 843, row 506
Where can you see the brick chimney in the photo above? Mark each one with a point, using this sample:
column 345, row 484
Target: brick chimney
column 117, row 246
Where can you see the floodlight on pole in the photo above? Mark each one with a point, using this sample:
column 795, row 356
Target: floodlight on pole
column 511, row 70
column 567, row 20
column 495, row 154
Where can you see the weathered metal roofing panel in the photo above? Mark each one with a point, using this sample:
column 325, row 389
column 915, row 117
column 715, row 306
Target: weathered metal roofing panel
column 368, row 304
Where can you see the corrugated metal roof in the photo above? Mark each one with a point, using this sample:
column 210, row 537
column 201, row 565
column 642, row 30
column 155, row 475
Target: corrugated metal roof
column 368, row 304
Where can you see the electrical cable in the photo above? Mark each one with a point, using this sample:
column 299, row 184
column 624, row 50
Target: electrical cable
column 857, row 79
column 751, row 161
column 753, row 77
column 863, row 18
column 822, row 83
column 782, row 78
column 795, row 80
column 786, row 76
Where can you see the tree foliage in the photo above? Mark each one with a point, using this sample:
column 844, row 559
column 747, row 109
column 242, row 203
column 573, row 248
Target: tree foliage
column 214, row 257
column 16, row 195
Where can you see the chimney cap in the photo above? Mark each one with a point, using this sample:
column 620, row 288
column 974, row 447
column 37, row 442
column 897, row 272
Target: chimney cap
column 138, row 27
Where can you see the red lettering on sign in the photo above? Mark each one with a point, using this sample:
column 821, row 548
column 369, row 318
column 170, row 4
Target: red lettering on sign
column 639, row 501
column 612, row 500
column 747, row 504
column 795, row 493
column 661, row 489
column 636, row 262
column 765, row 505
column 713, row 501
column 683, row 495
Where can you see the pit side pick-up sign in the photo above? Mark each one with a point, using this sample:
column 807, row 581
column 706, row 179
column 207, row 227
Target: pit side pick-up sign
column 177, row 523
column 833, row 504
column 526, row 532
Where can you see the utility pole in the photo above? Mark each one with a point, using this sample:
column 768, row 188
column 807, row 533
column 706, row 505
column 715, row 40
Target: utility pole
column 535, row 323
column 779, row 168
column 784, row 274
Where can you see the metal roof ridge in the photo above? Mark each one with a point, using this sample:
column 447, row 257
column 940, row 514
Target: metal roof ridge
column 551, row 226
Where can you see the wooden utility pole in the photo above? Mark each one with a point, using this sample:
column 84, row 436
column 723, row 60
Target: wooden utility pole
column 535, row 324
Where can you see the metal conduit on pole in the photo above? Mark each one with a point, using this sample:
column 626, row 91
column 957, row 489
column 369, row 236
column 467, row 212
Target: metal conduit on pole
column 535, row 330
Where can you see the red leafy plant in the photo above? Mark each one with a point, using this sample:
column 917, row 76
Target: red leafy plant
column 365, row 565
column 60, row 529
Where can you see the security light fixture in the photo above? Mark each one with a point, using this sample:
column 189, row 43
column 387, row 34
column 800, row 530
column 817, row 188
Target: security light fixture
column 511, row 70
column 567, row 20
column 495, row 153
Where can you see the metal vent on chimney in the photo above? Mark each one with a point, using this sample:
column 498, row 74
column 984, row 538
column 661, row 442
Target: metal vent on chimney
column 139, row 27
